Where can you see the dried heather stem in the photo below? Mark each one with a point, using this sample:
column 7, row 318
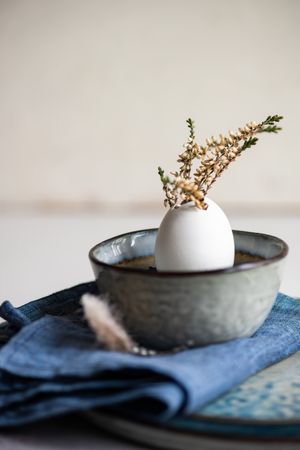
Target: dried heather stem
column 214, row 157
column 191, row 151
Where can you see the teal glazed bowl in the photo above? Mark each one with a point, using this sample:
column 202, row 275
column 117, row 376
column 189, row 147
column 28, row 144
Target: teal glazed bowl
column 165, row 310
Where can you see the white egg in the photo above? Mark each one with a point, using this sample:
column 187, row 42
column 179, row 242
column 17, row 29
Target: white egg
column 192, row 239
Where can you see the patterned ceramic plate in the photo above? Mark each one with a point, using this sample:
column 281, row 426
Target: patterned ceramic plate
column 264, row 410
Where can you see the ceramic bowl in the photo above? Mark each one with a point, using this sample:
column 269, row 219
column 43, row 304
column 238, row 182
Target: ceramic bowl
column 166, row 310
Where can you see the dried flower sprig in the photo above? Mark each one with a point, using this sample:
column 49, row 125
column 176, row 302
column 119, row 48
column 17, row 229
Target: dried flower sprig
column 214, row 158
column 168, row 187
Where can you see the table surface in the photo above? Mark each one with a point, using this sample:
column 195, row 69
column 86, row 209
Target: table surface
column 43, row 253
column 72, row 432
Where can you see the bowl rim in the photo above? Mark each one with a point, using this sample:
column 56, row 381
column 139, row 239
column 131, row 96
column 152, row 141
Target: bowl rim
column 234, row 269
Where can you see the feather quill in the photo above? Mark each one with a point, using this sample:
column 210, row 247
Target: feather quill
column 107, row 329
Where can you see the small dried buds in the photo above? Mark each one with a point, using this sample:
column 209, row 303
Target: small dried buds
column 215, row 156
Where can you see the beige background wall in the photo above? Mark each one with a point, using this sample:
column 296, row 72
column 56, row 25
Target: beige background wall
column 94, row 95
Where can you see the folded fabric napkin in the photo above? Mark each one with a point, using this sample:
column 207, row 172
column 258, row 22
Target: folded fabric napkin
column 50, row 363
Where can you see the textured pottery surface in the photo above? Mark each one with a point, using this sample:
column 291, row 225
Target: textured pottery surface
column 167, row 310
column 272, row 394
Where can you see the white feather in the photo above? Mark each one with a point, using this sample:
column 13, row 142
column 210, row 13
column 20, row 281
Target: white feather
column 106, row 328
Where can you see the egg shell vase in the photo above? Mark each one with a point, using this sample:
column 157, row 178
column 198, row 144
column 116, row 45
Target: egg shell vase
column 163, row 310
column 193, row 239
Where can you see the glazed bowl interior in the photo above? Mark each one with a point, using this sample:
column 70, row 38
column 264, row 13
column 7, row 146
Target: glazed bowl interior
column 141, row 243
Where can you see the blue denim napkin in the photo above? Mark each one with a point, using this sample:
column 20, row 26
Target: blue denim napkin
column 50, row 363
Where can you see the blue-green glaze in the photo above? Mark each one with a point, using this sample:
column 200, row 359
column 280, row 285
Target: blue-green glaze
column 271, row 395
column 167, row 310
